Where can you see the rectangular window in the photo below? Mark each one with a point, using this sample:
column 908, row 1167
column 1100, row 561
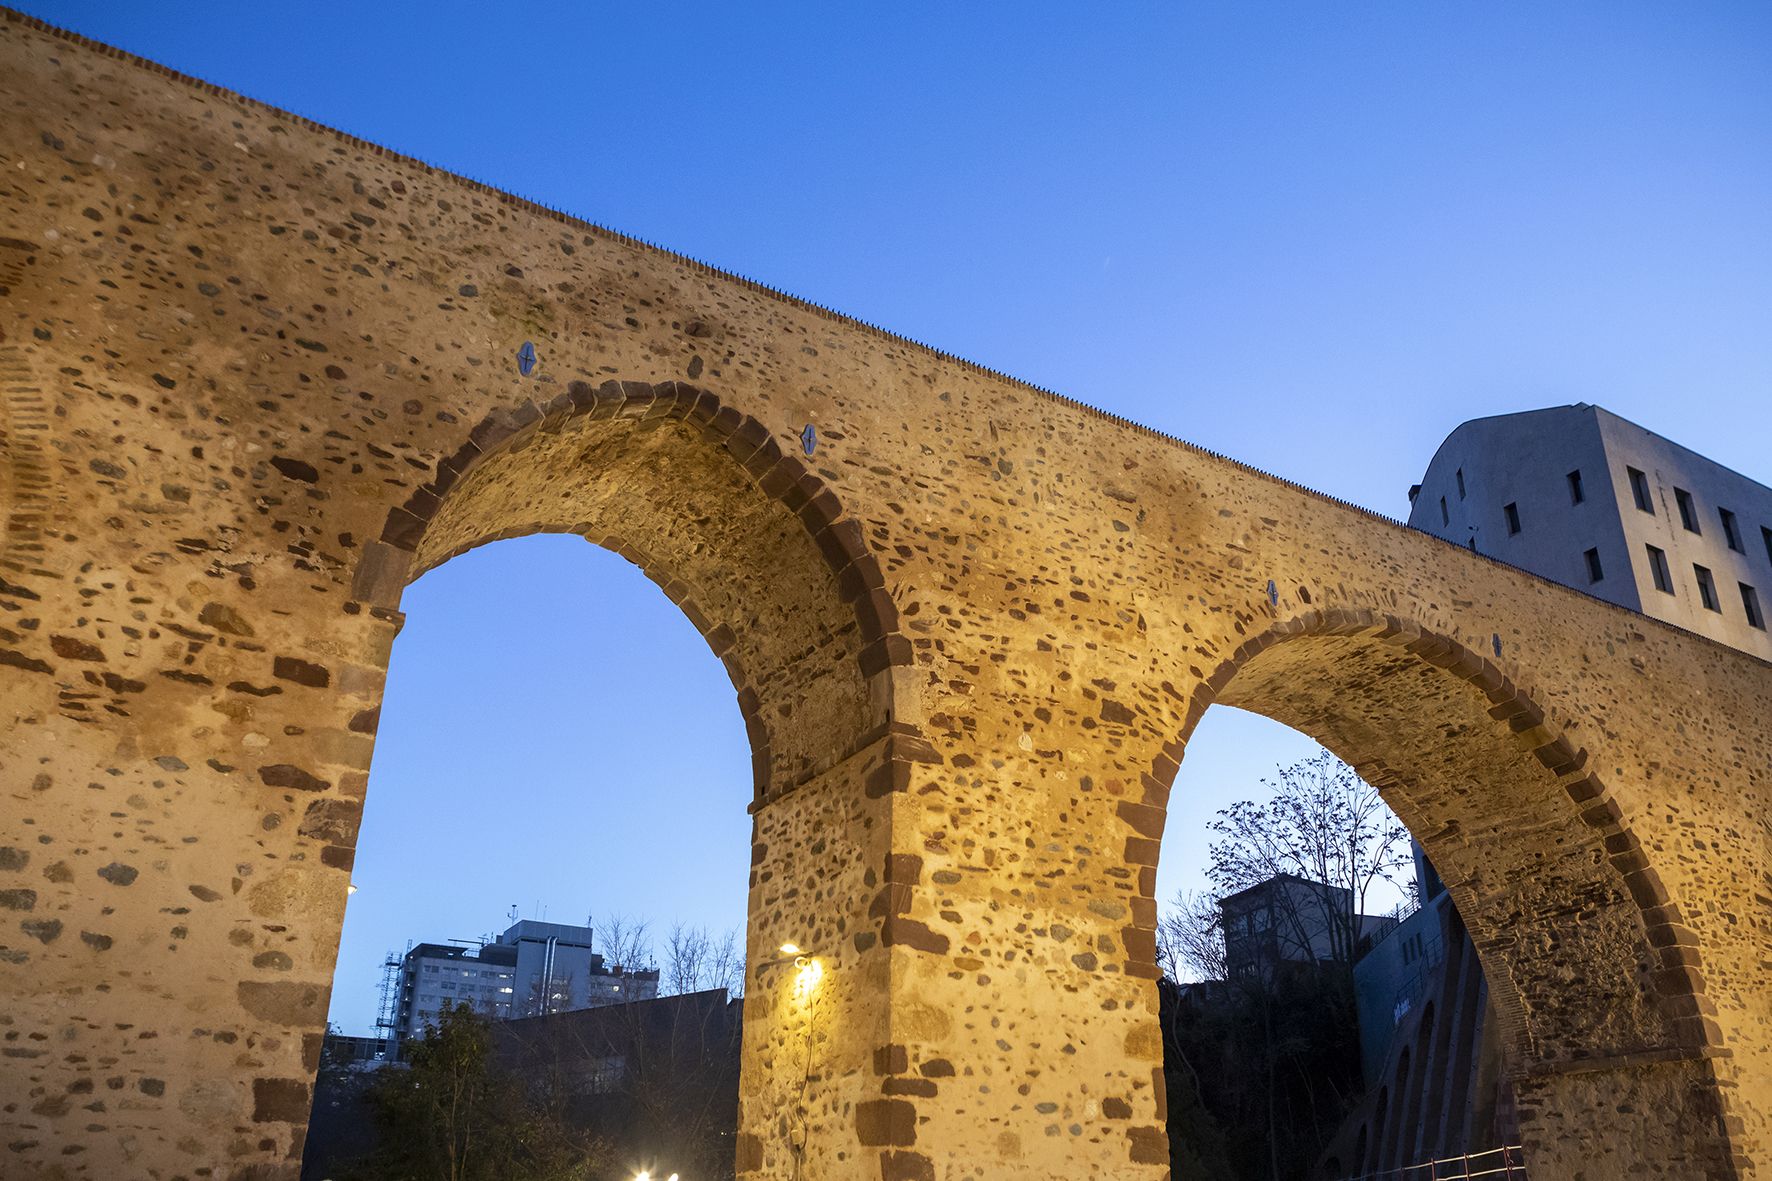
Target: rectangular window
column 1575, row 494
column 1445, row 517
column 1750, row 602
column 1766, row 536
column 1688, row 512
column 1658, row 567
column 1461, row 483
column 1594, row 573
column 1707, row 589
column 1731, row 529
column 1512, row 510
column 1639, row 489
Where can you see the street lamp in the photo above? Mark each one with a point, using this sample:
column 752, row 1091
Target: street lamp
column 808, row 971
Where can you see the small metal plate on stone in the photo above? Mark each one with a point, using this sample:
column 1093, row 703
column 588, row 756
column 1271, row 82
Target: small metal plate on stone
column 526, row 358
column 1273, row 593
column 809, row 439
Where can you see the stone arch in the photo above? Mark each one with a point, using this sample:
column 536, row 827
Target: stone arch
column 1392, row 1154
column 1590, row 962
column 1375, row 1147
column 747, row 539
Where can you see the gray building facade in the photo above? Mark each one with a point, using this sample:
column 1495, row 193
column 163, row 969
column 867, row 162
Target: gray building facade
column 534, row 968
column 1583, row 497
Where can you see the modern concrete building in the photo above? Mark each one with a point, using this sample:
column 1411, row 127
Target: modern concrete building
column 1580, row 496
column 534, row 968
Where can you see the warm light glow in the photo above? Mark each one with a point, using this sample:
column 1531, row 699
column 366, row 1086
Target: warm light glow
column 642, row 1175
column 351, row 888
column 807, row 978
column 790, row 949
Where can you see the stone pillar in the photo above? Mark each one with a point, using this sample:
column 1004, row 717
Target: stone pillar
column 813, row 1022
column 1021, row 1035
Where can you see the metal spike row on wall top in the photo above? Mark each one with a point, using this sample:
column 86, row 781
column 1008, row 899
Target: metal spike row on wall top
column 526, row 358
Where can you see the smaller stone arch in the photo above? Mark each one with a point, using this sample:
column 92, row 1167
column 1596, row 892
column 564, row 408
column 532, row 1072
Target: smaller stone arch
column 1394, row 1153
column 1632, row 992
column 1380, row 1116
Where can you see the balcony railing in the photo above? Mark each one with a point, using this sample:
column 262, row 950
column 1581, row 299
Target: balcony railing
column 1507, row 1163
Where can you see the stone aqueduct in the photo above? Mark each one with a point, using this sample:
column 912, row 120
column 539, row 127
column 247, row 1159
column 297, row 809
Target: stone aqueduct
column 258, row 375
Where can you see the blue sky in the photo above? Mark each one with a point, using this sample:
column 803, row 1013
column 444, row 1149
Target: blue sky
column 1315, row 237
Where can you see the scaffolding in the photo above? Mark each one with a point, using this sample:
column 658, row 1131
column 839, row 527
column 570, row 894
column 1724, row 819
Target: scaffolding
column 387, row 1015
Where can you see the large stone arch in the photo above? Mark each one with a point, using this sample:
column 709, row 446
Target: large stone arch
column 758, row 552
column 1594, row 973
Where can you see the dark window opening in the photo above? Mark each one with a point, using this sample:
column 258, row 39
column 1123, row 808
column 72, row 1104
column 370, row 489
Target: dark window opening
column 1639, row 489
column 1731, row 529
column 1460, row 474
column 1707, row 589
column 1594, row 572
column 1658, row 567
column 1472, row 543
column 1750, row 602
column 1445, row 517
column 1512, row 509
column 1688, row 511
column 1576, row 496
column 1766, row 536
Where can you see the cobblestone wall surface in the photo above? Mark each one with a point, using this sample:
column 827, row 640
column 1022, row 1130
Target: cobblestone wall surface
column 257, row 375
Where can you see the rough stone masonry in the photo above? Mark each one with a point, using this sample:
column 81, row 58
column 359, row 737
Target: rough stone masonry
column 258, row 375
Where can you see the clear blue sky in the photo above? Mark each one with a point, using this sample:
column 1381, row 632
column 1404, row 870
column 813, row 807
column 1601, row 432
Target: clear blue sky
column 1314, row 237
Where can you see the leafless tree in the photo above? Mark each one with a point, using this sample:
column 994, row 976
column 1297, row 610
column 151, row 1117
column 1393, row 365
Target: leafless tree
column 1324, row 825
column 624, row 942
column 1190, row 938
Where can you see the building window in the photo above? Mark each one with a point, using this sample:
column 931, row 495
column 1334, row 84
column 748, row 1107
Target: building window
column 1594, row 572
column 1639, row 489
column 1731, row 529
column 1445, row 517
column 1472, row 544
column 1707, row 589
column 1512, row 509
column 1576, row 496
column 1750, row 602
column 1658, row 567
column 1766, row 536
column 1461, row 483
column 1688, row 511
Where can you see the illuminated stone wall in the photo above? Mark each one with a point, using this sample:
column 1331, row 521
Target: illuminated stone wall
column 257, row 375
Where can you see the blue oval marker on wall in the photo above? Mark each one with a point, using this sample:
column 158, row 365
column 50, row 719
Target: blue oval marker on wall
column 526, row 358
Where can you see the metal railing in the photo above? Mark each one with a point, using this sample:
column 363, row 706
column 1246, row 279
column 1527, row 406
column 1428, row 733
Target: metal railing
column 1508, row 1163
